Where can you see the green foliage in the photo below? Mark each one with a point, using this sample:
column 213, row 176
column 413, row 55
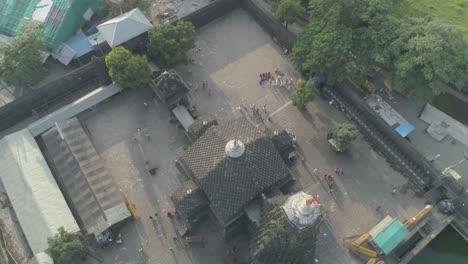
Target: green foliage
column 452, row 12
column 427, row 56
column 130, row 262
column 344, row 38
column 127, row 69
column 65, row 247
column 324, row 50
column 278, row 241
column 288, row 11
column 305, row 92
column 20, row 59
column 169, row 44
column 345, row 134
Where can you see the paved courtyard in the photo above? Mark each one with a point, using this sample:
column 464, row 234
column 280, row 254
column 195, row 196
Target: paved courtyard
column 229, row 55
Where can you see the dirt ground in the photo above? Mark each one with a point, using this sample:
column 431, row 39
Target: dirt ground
column 230, row 53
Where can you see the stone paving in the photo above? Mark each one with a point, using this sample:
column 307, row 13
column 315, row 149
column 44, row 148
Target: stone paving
column 230, row 54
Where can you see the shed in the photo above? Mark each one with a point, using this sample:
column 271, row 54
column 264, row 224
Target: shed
column 391, row 233
column 93, row 196
column 124, row 27
column 34, row 194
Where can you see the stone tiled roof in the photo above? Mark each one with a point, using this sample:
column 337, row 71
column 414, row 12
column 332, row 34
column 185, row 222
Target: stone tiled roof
column 230, row 183
column 283, row 141
column 202, row 124
column 189, row 199
column 169, row 86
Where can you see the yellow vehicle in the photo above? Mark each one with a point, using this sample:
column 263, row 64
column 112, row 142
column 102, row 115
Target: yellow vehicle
column 385, row 236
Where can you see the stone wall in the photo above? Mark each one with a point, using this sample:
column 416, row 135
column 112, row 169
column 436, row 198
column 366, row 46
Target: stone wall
column 260, row 11
column 92, row 74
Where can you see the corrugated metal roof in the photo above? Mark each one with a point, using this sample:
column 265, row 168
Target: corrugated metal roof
column 35, row 196
column 71, row 110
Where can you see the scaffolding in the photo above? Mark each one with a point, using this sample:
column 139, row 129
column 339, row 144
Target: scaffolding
column 61, row 18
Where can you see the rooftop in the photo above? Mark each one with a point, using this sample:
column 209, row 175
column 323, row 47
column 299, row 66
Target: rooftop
column 35, row 196
column 230, row 183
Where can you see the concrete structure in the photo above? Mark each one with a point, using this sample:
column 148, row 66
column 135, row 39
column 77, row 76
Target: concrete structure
column 390, row 115
column 442, row 125
column 35, row 196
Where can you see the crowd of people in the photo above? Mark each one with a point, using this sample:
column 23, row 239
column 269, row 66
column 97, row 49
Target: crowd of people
column 278, row 79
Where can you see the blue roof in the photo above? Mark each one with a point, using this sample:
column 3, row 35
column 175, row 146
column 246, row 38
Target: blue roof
column 404, row 129
column 79, row 42
column 391, row 236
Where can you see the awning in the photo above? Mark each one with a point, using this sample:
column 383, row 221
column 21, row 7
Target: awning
column 404, row 129
column 183, row 116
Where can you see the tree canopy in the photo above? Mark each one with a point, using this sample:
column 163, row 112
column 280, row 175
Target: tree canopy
column 168, row 44
column 345, row 134
column 344, row 38
column 288, row 11
column 305, row 92
column 20, row 58
column 127, row 69
column 427, row 56
column 65, row 247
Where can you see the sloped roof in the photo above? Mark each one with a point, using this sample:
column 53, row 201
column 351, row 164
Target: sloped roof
column 81, row 174
column 169, row 87
column 230, row 183
column 188, row 199
column 36, row 199
column 124, row 27
column 201, row 124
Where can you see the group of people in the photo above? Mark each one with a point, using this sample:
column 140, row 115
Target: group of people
column 276, row 81
column 330, row 181
column 266, row 76
column 256, row 112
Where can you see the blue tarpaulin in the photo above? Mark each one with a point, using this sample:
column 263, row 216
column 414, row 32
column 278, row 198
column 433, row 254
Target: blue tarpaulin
column 79, row 43
column 92, row 30
column 404, row 129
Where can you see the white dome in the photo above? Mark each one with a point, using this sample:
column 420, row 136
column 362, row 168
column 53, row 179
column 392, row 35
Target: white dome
column 300, row 212
column 235, row 148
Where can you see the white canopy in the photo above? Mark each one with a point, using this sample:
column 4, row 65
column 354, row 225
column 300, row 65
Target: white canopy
column 124, row 27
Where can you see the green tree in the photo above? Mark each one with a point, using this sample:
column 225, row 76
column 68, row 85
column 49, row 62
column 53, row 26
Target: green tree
column 20, row 58
column 65, row 247
column 127, row 69
column 323, row 50
column 427, row 57
column 343, row 38
column 305, row 92
column 169, row 44
column 345, row 134
column 287, row 11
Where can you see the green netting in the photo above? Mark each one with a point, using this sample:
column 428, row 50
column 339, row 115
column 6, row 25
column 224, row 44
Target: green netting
column 12, row 12
column 66, row 22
